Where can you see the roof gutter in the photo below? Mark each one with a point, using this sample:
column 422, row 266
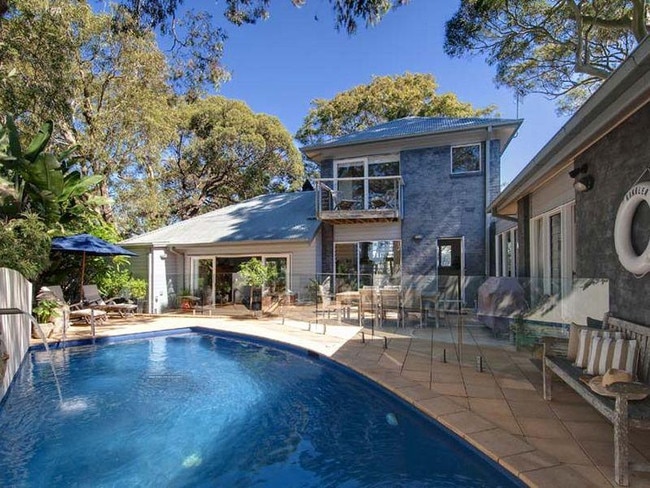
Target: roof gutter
column 588, row 125
column 506, row 217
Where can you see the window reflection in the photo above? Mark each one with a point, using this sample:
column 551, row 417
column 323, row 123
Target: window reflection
column 370, row 263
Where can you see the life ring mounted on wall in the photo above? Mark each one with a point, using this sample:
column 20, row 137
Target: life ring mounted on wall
column 634, row 263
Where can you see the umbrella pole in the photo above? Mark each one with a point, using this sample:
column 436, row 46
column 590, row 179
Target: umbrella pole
column 83, row 270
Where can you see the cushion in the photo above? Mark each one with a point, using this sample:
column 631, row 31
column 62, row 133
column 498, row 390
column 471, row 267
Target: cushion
column 574, row 339
column 607, row 352
column 584, row 343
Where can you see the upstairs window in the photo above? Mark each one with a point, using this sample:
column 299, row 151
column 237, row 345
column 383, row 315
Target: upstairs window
column 465, row 159
column 368, row 183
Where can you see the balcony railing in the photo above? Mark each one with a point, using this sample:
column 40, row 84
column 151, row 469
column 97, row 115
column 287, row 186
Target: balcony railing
column 347, row 200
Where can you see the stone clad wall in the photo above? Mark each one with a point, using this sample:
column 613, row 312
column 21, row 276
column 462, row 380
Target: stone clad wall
column 615, row 162
column 327, row 236
column 438, row 204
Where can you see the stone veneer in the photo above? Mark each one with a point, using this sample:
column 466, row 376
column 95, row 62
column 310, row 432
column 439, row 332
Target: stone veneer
column 438, row 204
column 615, row 162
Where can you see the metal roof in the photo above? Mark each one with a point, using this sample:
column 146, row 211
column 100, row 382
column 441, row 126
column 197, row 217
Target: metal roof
column 413, row 126
column 272, row 217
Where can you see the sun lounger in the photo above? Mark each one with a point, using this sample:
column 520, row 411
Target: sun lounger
column 93, row 299
column 77, row 312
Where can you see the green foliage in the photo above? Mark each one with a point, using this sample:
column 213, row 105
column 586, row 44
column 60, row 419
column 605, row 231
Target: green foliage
column 46, row 310
column 385, row 98
column 115, row 280
column 256, row 274
column 562, row 49
column 226, row 153
column 137, row 288
column 105, row 88
column 43, row 183
column 348, row 13
column 25, row 246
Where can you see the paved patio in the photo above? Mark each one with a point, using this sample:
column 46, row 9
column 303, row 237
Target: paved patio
column 499, row 410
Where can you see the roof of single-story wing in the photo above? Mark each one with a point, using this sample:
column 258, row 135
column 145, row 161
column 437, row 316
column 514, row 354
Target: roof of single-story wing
column 411, row 127
column 272, row 217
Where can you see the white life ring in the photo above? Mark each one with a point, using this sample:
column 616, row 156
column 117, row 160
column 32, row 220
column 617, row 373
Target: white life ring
column 639, row 265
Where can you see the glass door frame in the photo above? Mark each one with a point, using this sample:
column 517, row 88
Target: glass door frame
column 194, row 260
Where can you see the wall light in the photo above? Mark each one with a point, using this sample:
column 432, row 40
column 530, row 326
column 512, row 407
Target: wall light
column 581, row 183
column 584, row 184
column 417, row 237
column 576, row 171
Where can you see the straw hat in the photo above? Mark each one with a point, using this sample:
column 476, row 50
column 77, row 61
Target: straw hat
column 598, row 383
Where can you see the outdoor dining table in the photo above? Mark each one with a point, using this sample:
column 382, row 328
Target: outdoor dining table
column 345, row 300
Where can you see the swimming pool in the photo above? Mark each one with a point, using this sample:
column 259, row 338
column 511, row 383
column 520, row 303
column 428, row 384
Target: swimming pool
column 197, row 409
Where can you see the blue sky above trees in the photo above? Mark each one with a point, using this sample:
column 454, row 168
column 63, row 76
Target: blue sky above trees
column 280, row 65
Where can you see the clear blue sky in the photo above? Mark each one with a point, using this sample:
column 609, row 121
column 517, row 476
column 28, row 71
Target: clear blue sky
column 278, row 66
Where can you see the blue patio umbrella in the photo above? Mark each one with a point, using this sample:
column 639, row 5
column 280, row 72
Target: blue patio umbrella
column 88, row 244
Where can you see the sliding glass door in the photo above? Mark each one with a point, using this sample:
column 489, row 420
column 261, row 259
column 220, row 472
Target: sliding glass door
column 216, row 279
column 372, row 263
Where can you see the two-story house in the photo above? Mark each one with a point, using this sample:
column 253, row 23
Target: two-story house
column 401, row 203
column 404, row 202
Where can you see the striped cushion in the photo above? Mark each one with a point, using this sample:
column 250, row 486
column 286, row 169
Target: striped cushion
column 607, row 352
column 574, row 339
column 584, row 344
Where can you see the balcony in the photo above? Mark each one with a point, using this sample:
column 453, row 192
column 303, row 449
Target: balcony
column 354, row 200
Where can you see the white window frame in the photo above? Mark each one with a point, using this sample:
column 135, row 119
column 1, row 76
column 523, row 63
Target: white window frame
column 194, row 259
column 358, row 255
column 480, row 159
column 541, row 223
column 501, row 253
column 366, row 161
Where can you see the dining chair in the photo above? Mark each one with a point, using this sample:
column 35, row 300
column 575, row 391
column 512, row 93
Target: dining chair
column 368, row 303
column 390, row 300
column 327, row 305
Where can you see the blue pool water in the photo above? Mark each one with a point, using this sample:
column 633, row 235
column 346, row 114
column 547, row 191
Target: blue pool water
column 194, row 409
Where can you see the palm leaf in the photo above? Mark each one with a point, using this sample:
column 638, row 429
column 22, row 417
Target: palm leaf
column 40, row 141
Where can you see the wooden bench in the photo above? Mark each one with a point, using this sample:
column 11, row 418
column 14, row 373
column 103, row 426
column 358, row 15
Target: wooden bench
column 618, row 411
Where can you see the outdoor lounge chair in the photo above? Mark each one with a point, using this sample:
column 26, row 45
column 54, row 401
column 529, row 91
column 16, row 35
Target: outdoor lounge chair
column 77, row 312
column 93, row 299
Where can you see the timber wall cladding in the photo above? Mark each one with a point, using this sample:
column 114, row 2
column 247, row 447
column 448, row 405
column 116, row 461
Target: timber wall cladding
column 615, row 162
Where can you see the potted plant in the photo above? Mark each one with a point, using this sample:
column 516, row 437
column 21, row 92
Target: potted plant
column 223, row 290
column 256, row 275
column 138, row 291
column 187, row 299
column 45, row 312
